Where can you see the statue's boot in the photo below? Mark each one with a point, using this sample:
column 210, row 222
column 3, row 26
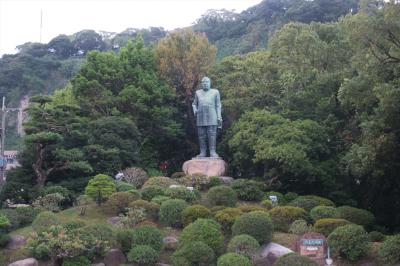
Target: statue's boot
column 212, row 140
column 203, row 147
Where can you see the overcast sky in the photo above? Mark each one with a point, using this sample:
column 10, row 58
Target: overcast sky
column 20, row 19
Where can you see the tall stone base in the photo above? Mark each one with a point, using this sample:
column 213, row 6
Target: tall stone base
column 205, row 166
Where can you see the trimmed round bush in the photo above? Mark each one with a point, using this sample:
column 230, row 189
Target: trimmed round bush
column 44, row 220
column 194, row 253
column 26, row 215
column 376, row 236
column 327, row 225
column 135, row 176
column 244, row 245
column 290, row 196
column 304, row 203
column 148, row 193
column 299, row 227
column 248, row 190
column 349, row 241
column 159, row 199
column 227, row 217
column 267, row 204
column 251, row 208
column 192, row 213
column 76, row 261
column 151, row 209
column 148, row 235
column 256, row 224
column 4, row 239
column 357, row 216
column 118, row 202
column 101, row 232
column 389, row 251
column 182, row 193
column 222, row 195
column 143, row 255
column 161, row 181
column 233, row 259
column 205, row 230
column 171, row 211
column 215, row 181
column 124, row 239
column 283, row 216
column 294, row 259
column 124, row 186
column 198, row 181
column 321, row 212
column 321, row 200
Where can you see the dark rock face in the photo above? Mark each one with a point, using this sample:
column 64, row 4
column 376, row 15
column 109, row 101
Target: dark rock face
column 114, row 257
column 25, row 262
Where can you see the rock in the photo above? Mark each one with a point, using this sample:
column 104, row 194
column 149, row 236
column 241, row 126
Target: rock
column 16, row 242
column 205, row 166
column 25, row 262
column 227, row 180
column 114, row 257
column 270, row 253
column 170, row 242
column 162, row 264
column 115, row 220
column 98, row 264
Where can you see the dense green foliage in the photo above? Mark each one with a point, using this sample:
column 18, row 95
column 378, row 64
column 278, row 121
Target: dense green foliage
column 294, row 260
column 148, row 235
column 171, row 212
column 192, row 213
column 222, row 196
column 389, row 251
column 143, row 255
column 256, row 224
column 194, row 253
column 243, row 244
column 233, row 259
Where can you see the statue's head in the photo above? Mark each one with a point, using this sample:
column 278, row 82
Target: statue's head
column 206, row 83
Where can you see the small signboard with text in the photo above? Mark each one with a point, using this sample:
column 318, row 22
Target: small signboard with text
column 313, row 245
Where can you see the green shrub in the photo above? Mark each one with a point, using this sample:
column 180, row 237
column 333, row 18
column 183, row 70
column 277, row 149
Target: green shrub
column 267, row 204
column 60, row 190
column 26, row 215
column 198, row 181
column 148, row 193
column 294, row 259
column 4, row 239
column 182, row 193
column 256, row 224
column 160, row 199
column 135, row 176
column 227, row 217
column 101, row 232
column 12, row 217
column 118, row 202
column 233, row 259
column 72, row 225
column 100, row 188
column 356, row 216
column 76, row 261
column 177, row 175
column 304, row 203
column 321, row 200
column 151, row 209
column 194, row 253
column 215, row 209
column 251, row 208
column 124, row 239
column 192, row 213
column 143, row 255
column 148, row 235
column 245, row 245
column 205, row 230
column 349, row 241
column 222, row 195
column 283, row 216
column 290, row 196
column 50, row 202
column 299, row 227
column 170, row 212
column 248, row 190
column 124, row 186
column 376, row 236
column 4, row 223
column 161, row 181
column 389, row 251
column 215, row 181
column 327, row 225
column 281, row 198
column 321, row 212
column 44, row 220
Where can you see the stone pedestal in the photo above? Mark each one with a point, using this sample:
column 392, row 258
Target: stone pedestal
column 205, row 166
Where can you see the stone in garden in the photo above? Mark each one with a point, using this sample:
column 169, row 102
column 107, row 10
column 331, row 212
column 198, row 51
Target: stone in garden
column 115, row 220
column 114, row 257
column 170, row 242
column 25, row 262
column 205, row 166
column 226, row 180
column 269, row 254
column 314, row 246
column 16, row 242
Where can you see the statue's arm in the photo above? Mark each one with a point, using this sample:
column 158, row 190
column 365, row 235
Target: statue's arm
column 218, row 106
column 194, row 104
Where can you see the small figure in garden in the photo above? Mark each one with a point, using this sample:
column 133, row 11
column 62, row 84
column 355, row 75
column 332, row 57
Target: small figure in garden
column 207, row 109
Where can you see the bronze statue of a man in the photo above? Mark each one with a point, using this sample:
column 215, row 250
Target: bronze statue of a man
column 207, row 109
